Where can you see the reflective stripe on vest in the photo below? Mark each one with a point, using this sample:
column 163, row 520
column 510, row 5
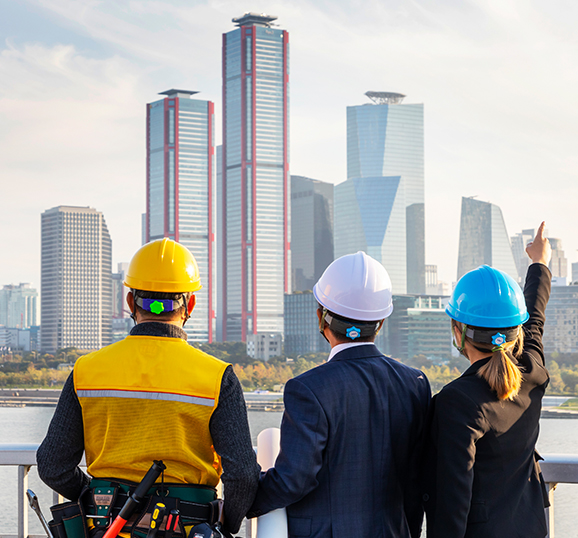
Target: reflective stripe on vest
column 145, row 395
column 147, row 398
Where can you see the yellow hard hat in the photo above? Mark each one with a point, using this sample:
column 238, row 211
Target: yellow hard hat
column 163, row 265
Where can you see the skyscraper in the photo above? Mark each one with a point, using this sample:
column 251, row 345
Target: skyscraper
column 255, row 176
column 76, row 288
column 311, row 230
column 18, row 306
column 385, row 176
column 558, row 263
column 180, row 190
column 519, row 243
column 484, row 238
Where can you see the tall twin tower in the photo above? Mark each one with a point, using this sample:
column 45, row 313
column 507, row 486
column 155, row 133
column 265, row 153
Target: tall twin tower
column 239, row 226
column 251, row 195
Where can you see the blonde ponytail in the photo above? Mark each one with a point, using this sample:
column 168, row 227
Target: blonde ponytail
column 501, row 371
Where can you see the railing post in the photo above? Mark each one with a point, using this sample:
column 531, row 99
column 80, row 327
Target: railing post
column 57, row 498
column 550, row 509
column 23, row 501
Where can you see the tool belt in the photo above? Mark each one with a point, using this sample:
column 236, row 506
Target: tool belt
column 101, row 501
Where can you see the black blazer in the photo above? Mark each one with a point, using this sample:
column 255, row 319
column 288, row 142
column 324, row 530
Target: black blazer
column 482, row 477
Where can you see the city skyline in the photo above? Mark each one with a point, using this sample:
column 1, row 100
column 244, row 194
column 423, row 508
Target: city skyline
column 73, row 88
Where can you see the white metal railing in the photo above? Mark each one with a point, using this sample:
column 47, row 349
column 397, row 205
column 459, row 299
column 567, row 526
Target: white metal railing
column 557, row 469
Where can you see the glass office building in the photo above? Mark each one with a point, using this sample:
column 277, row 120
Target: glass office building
column 18, row 306
column 180, row 191
column 255, row 177
column 75, row 281
column 311, row 230
column 418, row 325
column 302, row 326
column 561, row 328
column 484, row 239
column 385, row 171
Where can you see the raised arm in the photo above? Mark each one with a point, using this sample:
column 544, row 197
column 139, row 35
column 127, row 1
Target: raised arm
column 537, row 292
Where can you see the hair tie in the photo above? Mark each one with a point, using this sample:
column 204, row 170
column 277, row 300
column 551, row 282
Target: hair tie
column 497, row 348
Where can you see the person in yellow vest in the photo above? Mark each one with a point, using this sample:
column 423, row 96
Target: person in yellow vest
column 152, row 397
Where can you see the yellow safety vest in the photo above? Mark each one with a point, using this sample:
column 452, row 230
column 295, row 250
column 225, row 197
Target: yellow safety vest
column 148, row 398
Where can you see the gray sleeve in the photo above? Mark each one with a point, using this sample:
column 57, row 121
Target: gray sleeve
column 232, row 441
column 61, row 451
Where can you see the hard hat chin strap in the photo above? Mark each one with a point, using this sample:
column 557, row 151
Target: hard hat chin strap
column 322, row 324
column 461, row 347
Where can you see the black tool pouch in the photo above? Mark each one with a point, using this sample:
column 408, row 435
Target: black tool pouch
column 68, row 521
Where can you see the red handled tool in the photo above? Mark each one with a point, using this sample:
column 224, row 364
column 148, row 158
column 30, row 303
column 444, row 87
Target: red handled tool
column 172, row 525
column 134, row 500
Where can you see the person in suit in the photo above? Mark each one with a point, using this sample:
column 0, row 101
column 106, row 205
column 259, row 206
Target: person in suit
column 353, row 428
column 482, row 472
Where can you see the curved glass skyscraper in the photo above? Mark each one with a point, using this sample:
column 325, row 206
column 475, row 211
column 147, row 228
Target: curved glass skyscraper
column 484, row 239
column 380, row 208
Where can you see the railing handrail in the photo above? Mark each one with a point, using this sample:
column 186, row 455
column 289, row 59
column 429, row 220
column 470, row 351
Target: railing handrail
column 556, row 468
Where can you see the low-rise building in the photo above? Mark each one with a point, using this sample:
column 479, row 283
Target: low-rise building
column 263, row 346
column 418, row 325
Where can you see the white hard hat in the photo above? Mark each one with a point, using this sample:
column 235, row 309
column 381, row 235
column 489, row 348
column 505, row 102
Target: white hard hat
column 356, row 287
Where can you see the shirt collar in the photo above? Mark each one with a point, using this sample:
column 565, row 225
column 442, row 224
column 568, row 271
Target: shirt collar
column 340, row 347
column 156, row 328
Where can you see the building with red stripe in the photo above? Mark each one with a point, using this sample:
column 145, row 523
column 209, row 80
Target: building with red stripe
column 181, row 190
column 255, row 178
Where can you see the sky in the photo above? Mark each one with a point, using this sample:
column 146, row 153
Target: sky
column 498, row 80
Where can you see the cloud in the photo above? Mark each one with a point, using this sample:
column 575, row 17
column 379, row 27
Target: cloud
column 72, row 134
column 497, row 77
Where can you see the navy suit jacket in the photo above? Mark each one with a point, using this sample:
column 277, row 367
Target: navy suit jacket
column 351, row 440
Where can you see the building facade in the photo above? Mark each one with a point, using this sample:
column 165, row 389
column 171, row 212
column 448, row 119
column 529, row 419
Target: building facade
column 380, row 208
column 311, row 230
column 264, row 346
column 76, row 287
column 18, row 306
column 302, row 326
column 558, row 263
column 561, row 328
column 181, row 191
column 418, row 325
column 255, row 177
column 484, row 239
column 519, row 243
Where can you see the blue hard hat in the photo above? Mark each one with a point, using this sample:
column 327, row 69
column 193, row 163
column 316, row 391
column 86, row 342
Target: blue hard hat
column 488, row 297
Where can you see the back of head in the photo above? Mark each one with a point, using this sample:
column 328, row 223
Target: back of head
column 355, row 295
column 488, row 308
column 162, row 274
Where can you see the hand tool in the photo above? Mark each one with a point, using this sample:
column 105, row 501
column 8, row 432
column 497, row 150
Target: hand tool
column 156, row 519
column 33, row 501
column 134, row 500
column 172, row 525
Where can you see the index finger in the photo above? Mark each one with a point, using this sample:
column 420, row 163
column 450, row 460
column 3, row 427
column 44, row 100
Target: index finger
column 540, row 232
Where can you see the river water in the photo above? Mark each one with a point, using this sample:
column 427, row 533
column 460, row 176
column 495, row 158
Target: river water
column 29, row 424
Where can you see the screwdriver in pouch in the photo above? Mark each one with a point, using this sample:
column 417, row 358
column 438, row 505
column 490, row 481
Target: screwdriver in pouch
column 172, row 525
column 156, row 519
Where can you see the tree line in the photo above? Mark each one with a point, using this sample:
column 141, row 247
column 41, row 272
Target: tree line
column 41, row 370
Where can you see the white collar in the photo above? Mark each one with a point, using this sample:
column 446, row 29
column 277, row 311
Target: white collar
column 340, row 347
